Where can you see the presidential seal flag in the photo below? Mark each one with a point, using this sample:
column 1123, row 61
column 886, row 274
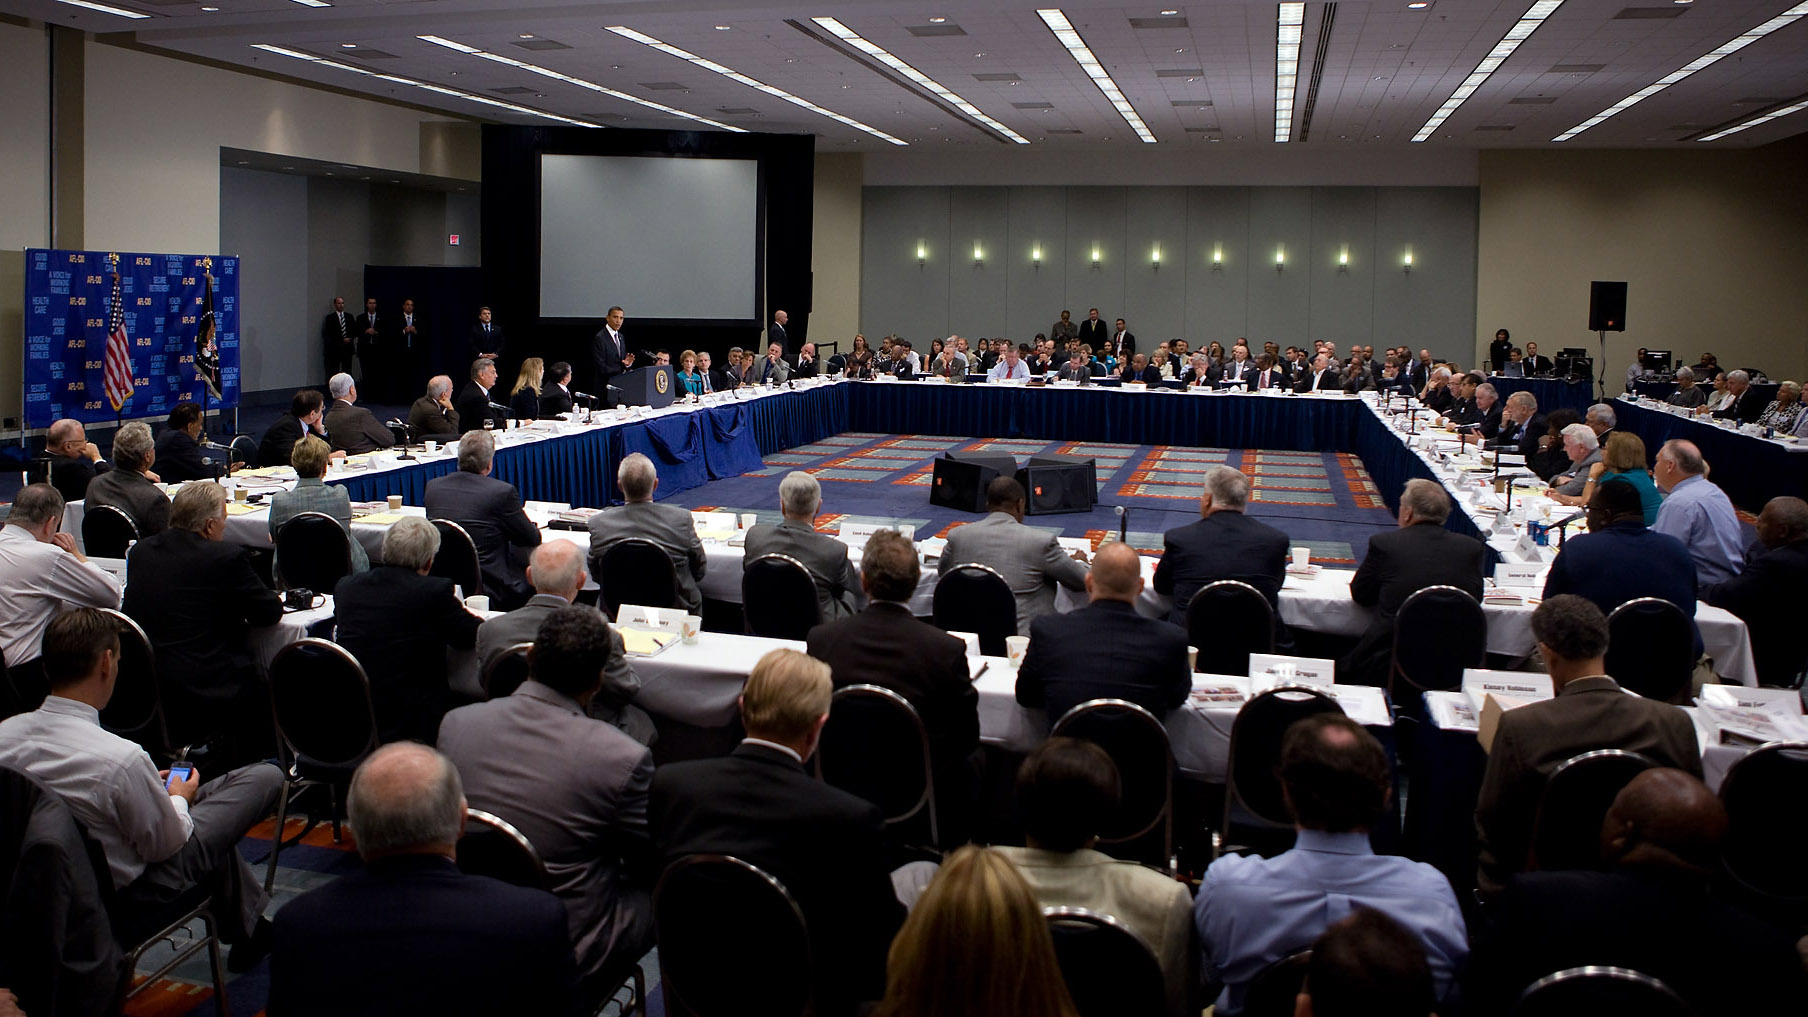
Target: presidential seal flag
column 207, row 352
column 119, row 348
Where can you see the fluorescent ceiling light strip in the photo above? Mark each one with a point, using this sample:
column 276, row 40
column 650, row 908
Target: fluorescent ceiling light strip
column 547, row 72
column 1708, row 59
column 879, row 53
column 1521, row 30
column 104, row 9
column 1755, row 121
column 320, row 61
column 1076, row 47
column 1290, row 22
column 734, row 75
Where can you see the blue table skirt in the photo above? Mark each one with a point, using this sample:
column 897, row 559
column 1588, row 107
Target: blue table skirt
column 1750, row 470
column 1552, row 393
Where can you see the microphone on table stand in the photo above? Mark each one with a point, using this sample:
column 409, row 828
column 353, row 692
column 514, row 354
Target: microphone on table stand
column 406, row 430
column 1561, row 525
column 589, row 403
column 1123, row 524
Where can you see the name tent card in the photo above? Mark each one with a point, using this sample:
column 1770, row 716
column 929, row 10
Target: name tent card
column 1281, row 669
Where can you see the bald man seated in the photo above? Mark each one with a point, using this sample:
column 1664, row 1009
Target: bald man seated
column 1105, row 650
column 1655, row 910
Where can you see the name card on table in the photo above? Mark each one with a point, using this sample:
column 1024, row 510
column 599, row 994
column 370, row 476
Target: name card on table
column 1281, row 669
column 662, row 619
column 856, row 533
column 1527, row 574
column 716, row 525
column 1492, row 693
column 1527, row 548
column 1777, row 702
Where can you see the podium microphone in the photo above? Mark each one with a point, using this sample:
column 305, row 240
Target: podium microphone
column 1123, row 524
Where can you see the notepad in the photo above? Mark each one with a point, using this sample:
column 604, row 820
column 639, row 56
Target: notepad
column 381, row 518
column 645, row 642
column 234, row 508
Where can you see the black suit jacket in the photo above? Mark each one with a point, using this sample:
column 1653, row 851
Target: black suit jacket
column 1399, row 564
column 554, row 401
column 826, row 846
column 1150, row 375
column 1095, row 334
column 607, row 360
column 196, row 598
column 1129, row 346
column 1223, row 545
column 70, row 475
column 412, row 934
column 1746, row 409
column 279, row 441
column 490, row 511
column 473, row 406
column 368, row 344
column 329, row 328
column 1491, row 419
column 1767, row 595
column 1523, row 441
column 775, row 333
column 490, row 342
column 1104, row 651
column 179, row 458
column 800, row 369
column 399, row 624
column 1540, row 364
column 525, row 405
column 1330, row 378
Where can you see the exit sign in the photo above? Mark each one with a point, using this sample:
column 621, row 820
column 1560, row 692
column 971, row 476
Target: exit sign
column 452, row 240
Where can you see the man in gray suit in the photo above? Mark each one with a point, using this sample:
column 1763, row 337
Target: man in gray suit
column 1029, row 560
column 490, row 511
column 774, row 368
column 1584, row 448
column 669, row 526
column 577, row 788
column 838, row 592
column 556, row 572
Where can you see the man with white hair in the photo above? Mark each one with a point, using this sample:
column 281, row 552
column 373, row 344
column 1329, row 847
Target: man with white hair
column 640, row 517
column 1584, row 450
column 1698, row 513
column 353, row 429
column 838, row 592
column 1747, row 403
column 130, row 486
column 432, row 415
column 41, row 575
column 1601, row 419
column 1225, row 543
column 476, row 399
column 490, row 511
column 1400, row 563
column 74, row 460
column 1688, row 395
column 410, row 933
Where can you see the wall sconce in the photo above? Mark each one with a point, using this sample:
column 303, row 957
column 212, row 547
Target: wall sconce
column 1343, row 258
column 1036, row 256
column 1095, row 256
column 1280, row 258
column 1406, row 262
column 979, row 257
column 922, row 253
column 1155, row 259
column 1217, row 257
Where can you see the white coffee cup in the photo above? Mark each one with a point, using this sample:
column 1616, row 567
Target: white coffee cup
column 477, row 602
column 971, row 639
column 1192, row 658
column 432, row 446
column 1301, row 557
column 748, row 519
column 395, row 503
column 1016, row 647
column 689, row 627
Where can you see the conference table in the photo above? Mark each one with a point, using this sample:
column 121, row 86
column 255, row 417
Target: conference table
column 1750, row 468
column 1551, row 393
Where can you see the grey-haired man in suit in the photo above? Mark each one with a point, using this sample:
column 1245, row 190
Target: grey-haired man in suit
column 669, row 526
column 838, row 591
column 1031, row 561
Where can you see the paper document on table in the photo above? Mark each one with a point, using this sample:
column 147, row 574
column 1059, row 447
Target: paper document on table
column 1450, row 711
column 1072, row 544
column 235, row 508
column 640, row 642
column 1776, row 702
column 381, row 518
column 1219, row 691
column 932, row 547
column 1363, row 704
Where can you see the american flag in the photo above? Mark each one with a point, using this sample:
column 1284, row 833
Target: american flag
column 119, row 352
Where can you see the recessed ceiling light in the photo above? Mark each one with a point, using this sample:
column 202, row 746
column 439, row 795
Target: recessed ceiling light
column 976, row 56
column 1076, row 47
column 937, row 21
column 1182, row 50
column 721, row 28
column 1169, row 13
column 1708, row 59
column 210, row 10
column 1419, row 5
column 879, row 53
column 526, row 35
column 734, row 75
column 1524, row 27
column 104, row 9
column 1682, row 1
column 1289, row 26
column 348, row 45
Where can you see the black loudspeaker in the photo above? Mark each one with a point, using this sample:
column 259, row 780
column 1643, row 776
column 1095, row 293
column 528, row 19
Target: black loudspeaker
column 1607, row 307
column 960, row 480
column 1054, row 484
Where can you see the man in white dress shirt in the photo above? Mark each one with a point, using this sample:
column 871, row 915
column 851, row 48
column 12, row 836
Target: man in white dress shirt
column 41, row 573
column 1011, row 368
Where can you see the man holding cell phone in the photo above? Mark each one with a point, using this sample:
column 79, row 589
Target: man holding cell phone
column 163, row 832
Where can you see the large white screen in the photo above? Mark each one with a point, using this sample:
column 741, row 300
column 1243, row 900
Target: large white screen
column 662, row 237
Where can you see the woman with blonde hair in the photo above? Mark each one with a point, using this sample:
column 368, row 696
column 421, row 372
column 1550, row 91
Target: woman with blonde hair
column 524, row 398
column 975, row 945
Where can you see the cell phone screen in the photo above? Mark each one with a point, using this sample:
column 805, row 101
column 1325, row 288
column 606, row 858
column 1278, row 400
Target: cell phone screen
column 177, row 773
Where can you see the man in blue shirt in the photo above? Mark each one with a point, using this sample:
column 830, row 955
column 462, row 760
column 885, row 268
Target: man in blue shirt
column 1253, row 911
column 1698, row 513
column 1618, row 559
column 1011, row 368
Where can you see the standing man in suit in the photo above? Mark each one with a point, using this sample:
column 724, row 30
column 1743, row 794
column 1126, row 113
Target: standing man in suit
column 473, row 408
column 1123, row 343
column 1092, row 330
column 776, row 334
column 668, row 526
column 838, row 592
column 823, row 844
column 886, row 645
column 609, row 355
column 1590, row 711
column 373, row 347
column 490, row 511
column 1105, row 650
column 486, row 337
column 773, row 368
column 1402, row 562
column 197, row 597
column 410, row 933
column 1064, row 330
column 1031, row 561
column 353, row 429
column 411, row 358
column 575, row 786
column 338, row 338
column 1224, row 544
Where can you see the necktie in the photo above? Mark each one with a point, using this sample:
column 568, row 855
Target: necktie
column 486, row 328
column 616, row 336
column 342, row 334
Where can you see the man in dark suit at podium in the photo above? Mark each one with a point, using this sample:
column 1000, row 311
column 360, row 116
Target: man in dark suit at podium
column 486, row 337
column 609, row 355
column 1092, row 331
column 338, row 334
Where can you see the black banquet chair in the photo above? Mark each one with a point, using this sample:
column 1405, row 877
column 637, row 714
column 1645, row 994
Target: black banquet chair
column 636, row 571
column 1254, row 806
column 1762, row 850
column 1595, row 991
column 1651, row 649
column 325, row 726
column 874, row 746
column 1566, row 832
column 107, row 531
column 313, row 552
column 1438, row 632
column 712, row 967
column 1109, row 970
column 971, row 597
column 778, row 597
column 136, row 710
column 491, row 846
column 1275, row 988
column 1226, row 621
column 506, row 673
column 457, row 558
column 1141, row 828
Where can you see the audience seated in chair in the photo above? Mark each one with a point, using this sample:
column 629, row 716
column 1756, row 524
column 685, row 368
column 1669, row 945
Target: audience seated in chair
column 312, row 493
column 74, row 460
column 1698, row 513
column 1766, row 594
column 641, row 517
column 556, row 572
column 1031, row 561
column 42, row 574
column 1402, row 562
column 161, row 841
column 975, row 945
column 1590, row 711
column 306, row 416
column 432, row 415
column 1225, row 543
column 1656, row 910
column 1252, row 911
column 824, row 845
column 575, row 786
column 838, row 592
column 1105, row 650
column 1619, row 559
column 1065, row 791
column 1366, row 965
column 885, row 645
column 179, row 455
column 490, row 511
column 130, row 486
column 410, row 933
column 399, row 622
column 352, row 429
